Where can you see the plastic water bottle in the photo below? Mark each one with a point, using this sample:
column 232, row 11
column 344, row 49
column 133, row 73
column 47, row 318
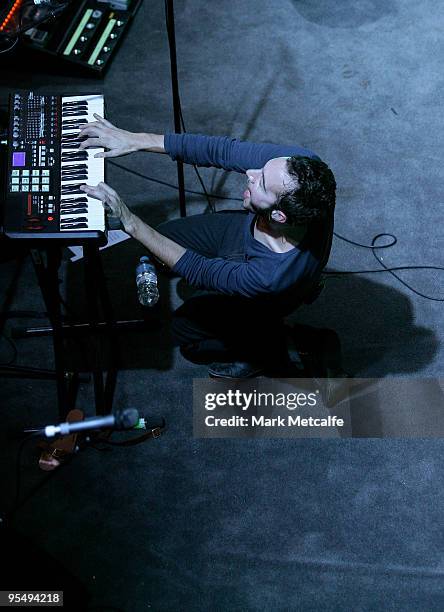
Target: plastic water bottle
column 146, row 281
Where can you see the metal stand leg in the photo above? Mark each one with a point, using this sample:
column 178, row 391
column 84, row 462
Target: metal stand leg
column 16, row 371
column 46, row 265
column 47, row 275
column 97, row 293
column 92, row 298
column 114, row 353
column 169, row 10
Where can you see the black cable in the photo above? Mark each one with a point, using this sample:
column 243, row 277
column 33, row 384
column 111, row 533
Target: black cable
column 11, row 47
column 166, row 184
column 373, row 246
column 370, row 246
column 390, row 270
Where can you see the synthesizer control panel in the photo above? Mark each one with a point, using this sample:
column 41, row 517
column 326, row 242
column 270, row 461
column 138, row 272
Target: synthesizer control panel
column 32, row 176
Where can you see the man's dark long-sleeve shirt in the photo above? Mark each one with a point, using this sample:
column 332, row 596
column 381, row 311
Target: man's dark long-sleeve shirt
column 263, row 272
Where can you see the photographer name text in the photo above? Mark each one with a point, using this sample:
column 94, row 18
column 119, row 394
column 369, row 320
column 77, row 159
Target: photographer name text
column 280, row 421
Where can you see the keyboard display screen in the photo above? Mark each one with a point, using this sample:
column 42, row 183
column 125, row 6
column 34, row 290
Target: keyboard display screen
column 18, row 159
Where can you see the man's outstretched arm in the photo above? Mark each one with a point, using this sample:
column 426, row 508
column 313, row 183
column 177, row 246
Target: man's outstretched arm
column 102, row 133
column 216, row 151
column 168, row 251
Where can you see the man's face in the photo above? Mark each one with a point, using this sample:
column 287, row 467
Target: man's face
column 266, row 185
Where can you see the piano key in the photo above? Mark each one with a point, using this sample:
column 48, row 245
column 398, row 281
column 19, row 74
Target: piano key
column 72, row 226
column 69, row 189
column 91, row 170
column 78, row 219
column 82, row 200
column 72, row 108
column 69, row 180
column 73, row 167
column 73, row 100
column 74, row 113
column 75, row 211
column 79, row 175
column 74, row 156
column 75, row 122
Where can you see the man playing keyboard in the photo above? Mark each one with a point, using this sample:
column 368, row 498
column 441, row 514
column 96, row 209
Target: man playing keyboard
column 253, row 266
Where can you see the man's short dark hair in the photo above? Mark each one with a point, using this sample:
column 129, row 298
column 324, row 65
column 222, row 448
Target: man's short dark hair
column 314, row 193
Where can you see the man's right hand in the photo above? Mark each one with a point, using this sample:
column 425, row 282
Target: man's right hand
column 102, row 133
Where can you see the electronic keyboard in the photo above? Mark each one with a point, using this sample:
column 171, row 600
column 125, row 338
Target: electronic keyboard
column 45, row 170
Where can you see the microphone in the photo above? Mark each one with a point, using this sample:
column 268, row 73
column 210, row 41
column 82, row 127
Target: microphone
column 124, row 419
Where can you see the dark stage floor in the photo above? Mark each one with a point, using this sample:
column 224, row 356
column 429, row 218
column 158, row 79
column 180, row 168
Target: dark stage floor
column 182, row 523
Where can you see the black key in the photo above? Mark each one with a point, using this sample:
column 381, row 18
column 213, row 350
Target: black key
column 71, row 206
column 75, row 167
column 73, row 177
column 74, row 200
column 73, row 219
column 74, row 122
column 79, row 211
column 73, row 187
column 68, row 156
column 76, row 140
column 74, row 226
column 81, row 104
column 69, row 189
column 68, row 113
column 73, row 137
column 76, row 112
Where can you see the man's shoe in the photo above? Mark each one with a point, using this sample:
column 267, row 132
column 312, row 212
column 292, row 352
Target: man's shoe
column 236, row 369
column 322, row 360
column 320, row 352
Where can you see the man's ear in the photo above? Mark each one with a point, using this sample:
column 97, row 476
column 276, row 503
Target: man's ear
column 278, row 216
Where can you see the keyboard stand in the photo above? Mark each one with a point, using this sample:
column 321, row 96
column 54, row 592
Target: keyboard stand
column 16, row 371
column 46, row 264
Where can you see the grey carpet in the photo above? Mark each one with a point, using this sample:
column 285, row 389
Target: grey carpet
column 187, row 524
